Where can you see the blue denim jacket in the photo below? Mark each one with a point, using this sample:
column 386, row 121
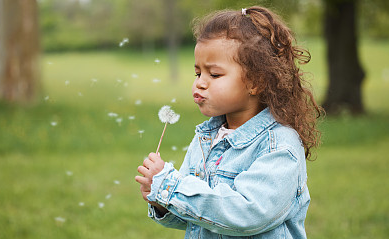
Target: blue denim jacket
column 251, row 184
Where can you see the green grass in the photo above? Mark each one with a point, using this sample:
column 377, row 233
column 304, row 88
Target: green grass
column 348, row 181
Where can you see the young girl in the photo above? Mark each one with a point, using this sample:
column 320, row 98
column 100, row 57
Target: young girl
column 244, row 173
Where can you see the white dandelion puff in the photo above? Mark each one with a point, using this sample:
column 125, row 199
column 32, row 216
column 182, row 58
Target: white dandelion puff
column 67, row 82
column 185, row 148
column 69, row 173
column 80, row 94
column 131, row 117
column 141, row 132
column 101, row 204
column 125, row 84
column 119, row 121
column 81, row 204
column 47, row 98
column 156, row 80
column 134, row 75
column 138, row 102
column 53, row 123
column 94, row 80
column 173, row 100
column 174, row 148
column 166, row 115
column 60, row 219
column 112, row 114
column 117, row 182
column 49, row 63
column 123, row 42
column 172, row 162
column 120, row 98
column 108, row 196
column 157, row 61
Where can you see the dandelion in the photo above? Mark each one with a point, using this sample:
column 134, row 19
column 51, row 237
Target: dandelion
column 138, row 102
column 93, row 81
column 141, row 132
column 123, row 42
column 108, row 196
column 131, row 117
column 101, row 204
column 117, row 182
column 157, row 60
column 47, row 98
column 60, row 220
column 156, row 80
column 125, row 84
column 173, row 100
column 80, row 94
column 174, row 148
column 185, row 148
column 134, row 76
column 119, row 121
column 120, row 98
column 67, row 82
column 81, row 204
column 166, row 115
column 69, row 173
column 112, row 114
column 53, row 123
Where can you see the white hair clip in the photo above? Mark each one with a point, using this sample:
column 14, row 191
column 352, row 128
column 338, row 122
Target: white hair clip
column 244, row 11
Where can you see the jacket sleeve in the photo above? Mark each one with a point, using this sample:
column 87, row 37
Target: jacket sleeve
column 263, row 197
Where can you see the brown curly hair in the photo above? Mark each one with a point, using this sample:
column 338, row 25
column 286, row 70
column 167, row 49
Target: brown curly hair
column 270, row 61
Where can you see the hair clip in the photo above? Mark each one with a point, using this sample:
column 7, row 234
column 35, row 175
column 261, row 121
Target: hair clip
column 244, row 12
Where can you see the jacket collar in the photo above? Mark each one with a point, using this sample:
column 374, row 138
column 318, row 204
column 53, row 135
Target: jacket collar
column 243, row 135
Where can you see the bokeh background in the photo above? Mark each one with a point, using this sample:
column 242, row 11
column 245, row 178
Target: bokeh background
column 81, row 83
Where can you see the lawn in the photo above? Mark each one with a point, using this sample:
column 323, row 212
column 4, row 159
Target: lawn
column 67, row 163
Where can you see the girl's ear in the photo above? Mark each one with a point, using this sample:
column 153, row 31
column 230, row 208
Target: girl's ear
column 253, row 90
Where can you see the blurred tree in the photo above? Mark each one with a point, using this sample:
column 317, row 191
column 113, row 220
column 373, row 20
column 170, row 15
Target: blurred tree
column 19, row 50
column 345, row 71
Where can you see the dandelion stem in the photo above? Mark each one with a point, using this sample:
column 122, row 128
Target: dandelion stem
column 160, row 141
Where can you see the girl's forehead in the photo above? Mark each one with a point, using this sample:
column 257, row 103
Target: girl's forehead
column 220, row 41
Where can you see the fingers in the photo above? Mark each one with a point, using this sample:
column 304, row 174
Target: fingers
column 154, row 157
column 142, row 180
column 144, row 171
column 147, row 163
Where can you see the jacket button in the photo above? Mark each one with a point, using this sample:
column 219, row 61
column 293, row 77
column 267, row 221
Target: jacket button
column 201, row 175
column 164, row 194
column 204, row 138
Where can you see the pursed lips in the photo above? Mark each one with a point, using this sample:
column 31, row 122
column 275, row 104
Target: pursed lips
column 198, row 98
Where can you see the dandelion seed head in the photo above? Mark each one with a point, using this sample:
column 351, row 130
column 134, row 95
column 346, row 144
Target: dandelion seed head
column 131, row 117
column 116, row 182
column 80, row 94
column 138, row 102
column 53, row 123
column 112, row 114
column 67, row 82
column 81, row 204
column 156, row 80
column 101, row 204
column 120, row 98
column 108, row 196
column 134, row 76
column 60, row 219
column 125, row 84
column 174, row 148
column 119, row 120
column 69, row 173
column 47, row 98
column 49, row 63
column 173, row 100
column 185, row 148
column 119, row 80
column 157, row 60
column 167, row 115
column 123, row 42
column 141, row 131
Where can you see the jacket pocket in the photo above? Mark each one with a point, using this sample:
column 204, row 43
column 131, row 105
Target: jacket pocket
column 226, row 177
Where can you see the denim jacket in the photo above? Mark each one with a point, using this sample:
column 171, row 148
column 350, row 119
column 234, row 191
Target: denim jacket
column 251, row 184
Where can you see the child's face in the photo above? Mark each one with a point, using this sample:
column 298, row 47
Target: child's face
column 219, row 88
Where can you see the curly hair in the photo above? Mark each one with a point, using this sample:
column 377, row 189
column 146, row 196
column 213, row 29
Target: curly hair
column 269, row 60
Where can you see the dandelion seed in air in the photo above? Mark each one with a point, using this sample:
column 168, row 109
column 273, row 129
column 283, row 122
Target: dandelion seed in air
column 173, row 100
column 81, row 204
column 125, row 84
column 167, row 116
column 69, row 173
column 174, row 148
column 49, row 63
column 47, row 98
column 53, row 123
column 131, row 117
column 117, row 182
column 120, row 98
column 108, row 196
column 67, row 82
column 123, row 42
column 80, row 94
column 134, row 76
column 101, row 204
column 94, row 81
column 138, row 102
column 157, row 61
column 185, row 148
column 156, row 80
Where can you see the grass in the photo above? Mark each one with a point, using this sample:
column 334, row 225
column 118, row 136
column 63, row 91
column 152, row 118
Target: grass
column 46, row 170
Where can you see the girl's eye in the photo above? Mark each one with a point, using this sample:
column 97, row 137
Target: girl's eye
column 215, row 75
column 197, row 74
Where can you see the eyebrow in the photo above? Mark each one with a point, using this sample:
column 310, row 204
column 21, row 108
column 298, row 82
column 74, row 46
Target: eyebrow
column 208, row 66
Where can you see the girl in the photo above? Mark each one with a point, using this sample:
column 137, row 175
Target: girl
column 244, row 173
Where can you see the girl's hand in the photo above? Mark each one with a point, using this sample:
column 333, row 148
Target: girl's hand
column 151, row 166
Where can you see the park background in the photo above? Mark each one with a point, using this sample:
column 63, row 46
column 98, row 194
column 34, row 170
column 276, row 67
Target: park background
column 69, row 150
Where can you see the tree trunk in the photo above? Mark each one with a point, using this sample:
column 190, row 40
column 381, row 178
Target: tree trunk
column 19, row 50
column 345, row 71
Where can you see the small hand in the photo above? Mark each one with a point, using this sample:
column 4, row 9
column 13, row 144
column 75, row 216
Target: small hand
column 151, row 166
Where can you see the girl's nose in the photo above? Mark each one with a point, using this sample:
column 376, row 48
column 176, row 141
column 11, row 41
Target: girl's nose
column 201, row 83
